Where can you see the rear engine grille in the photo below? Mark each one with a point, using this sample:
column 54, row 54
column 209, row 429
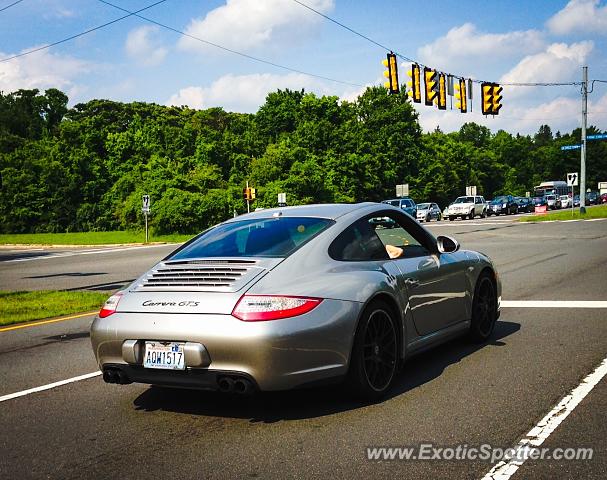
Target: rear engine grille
column 197, row 275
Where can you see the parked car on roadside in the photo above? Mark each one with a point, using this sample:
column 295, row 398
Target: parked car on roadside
column 524, row 204
column 603, row 198
column 428, row 211
column 467, row 207
column 406, row 204
column 576, row 201
column 538, row 201
column 504, row 204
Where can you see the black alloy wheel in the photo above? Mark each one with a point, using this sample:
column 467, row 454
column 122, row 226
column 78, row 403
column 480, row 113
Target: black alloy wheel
column 484, row 309
column 375, row 354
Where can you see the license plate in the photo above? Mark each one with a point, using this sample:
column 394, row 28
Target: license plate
column 166, row 356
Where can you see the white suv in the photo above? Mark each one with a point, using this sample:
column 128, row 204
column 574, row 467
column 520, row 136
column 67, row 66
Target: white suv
column 468, row 207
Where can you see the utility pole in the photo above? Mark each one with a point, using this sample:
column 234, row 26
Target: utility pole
column 583, row 154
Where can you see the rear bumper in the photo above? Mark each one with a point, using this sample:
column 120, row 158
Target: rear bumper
column 275, row 355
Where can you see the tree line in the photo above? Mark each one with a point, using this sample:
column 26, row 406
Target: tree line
column 86, row 168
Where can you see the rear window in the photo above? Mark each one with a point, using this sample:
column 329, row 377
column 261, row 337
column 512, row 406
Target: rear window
column 268, row 237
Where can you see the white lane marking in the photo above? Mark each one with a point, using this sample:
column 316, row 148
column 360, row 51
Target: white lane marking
column 85, row 252
column 554, row 304
column 49, row 386
column 542, row 430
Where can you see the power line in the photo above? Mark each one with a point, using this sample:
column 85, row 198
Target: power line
column 11, row 5
column 235, row 52
column 540, row 84
column 72, row 37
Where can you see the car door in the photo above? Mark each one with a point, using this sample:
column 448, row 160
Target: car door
column 434, row 283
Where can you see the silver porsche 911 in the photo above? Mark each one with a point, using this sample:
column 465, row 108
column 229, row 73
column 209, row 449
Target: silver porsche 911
column 293, row 297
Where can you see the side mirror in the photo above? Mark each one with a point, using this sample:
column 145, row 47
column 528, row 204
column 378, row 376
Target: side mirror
column 446, row 244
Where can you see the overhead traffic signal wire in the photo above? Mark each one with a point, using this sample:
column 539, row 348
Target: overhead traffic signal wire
column 72, row 37
column 407, row 59
column 11, row 5
column 235, row 52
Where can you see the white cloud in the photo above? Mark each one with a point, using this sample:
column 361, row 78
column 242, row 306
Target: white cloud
column 245, row 24
column 466, row 42
column 558, row 63
column 579, row 16
column 143, row 47
column 42, row 70
column 244, row 93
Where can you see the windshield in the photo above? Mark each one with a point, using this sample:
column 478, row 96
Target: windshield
column 550, row 197
column 407, row 203
column 501, row 199
column 266, row 237
column 423, row 206
column 464, row 200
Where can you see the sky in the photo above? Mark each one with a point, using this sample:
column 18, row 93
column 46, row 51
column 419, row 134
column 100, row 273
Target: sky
column 133, row 59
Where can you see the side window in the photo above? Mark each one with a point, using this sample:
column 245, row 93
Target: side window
column 477, row 200
column 359, row 242
column 392, row 231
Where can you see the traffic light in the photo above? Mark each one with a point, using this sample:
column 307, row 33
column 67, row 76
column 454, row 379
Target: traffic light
column 248, row 193
column 391, row 73
column 460, row 94
column 414, row 84
column 492, row 96
column 431, row 85
column 442, row 92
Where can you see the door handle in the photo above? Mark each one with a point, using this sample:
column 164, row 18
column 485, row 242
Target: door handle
column 411, row 282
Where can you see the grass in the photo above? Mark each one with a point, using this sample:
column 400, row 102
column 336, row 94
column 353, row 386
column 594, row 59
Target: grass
column 599, row 211
column 17, row 307
column 87, row 238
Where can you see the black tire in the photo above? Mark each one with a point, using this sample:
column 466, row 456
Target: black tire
column 374, row 359
column 427, row 219
column 471, row 215
column 451, row 218
column 439, row 217
column 484, row 309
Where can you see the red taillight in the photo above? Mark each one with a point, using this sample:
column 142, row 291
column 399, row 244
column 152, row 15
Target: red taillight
column 110, row 305
column 255, row 308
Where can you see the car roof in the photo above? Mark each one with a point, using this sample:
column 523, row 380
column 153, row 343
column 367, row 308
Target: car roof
column 326, row 210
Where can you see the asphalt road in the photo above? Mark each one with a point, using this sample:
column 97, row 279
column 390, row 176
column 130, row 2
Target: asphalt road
column 456, row 394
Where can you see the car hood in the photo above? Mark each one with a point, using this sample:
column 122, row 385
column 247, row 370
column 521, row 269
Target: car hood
column 461, row 205
column 195, row 285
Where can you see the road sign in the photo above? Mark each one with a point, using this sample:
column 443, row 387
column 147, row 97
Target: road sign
column 572, row 179
column 471, row 190
column 602, row 185
column 282, row 199
column 570, row 147
column 402, row 190
column 145, row 203
column 599, row 136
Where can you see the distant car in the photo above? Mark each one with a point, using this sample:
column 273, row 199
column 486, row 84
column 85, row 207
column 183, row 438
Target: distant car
column 592, row 198
column 503, row 204
column 292, row 297
column 467, row 207
column 538, row 201
column 551, row 202
column 406, row 204
column 524, row 204
column 603, row 198
column 576, row 201
column 428, row 211
column 565, row 201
